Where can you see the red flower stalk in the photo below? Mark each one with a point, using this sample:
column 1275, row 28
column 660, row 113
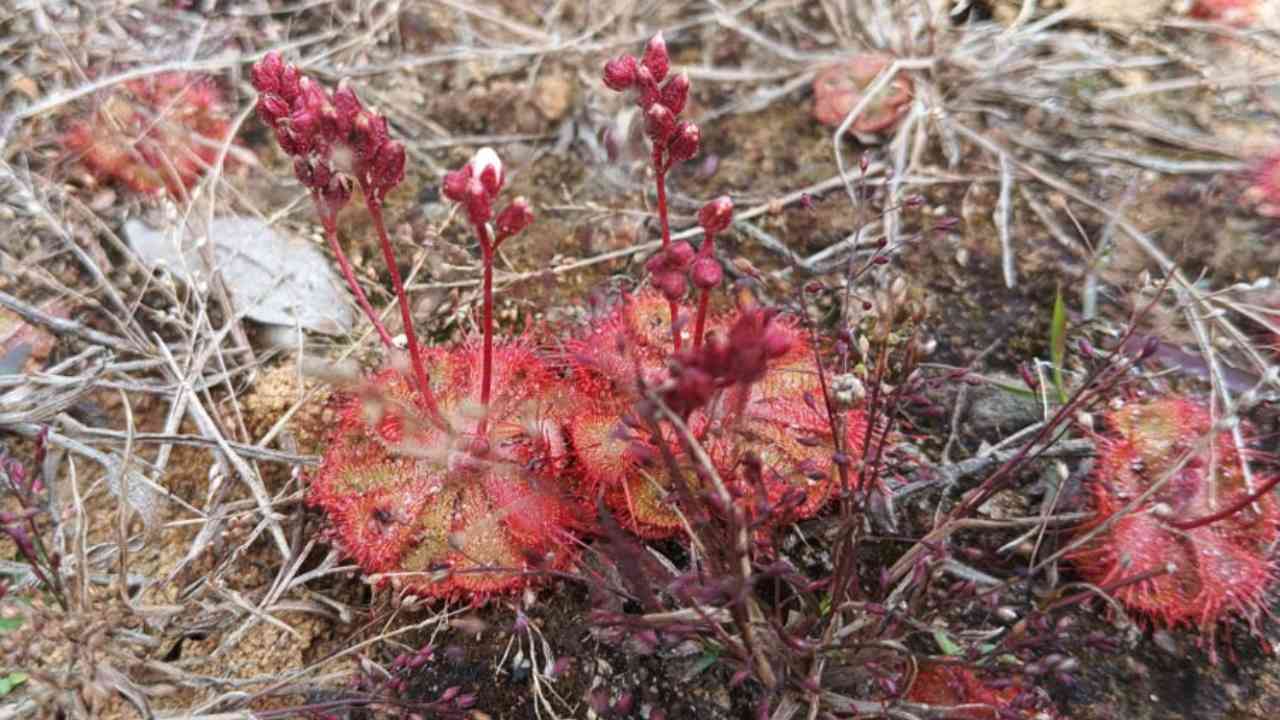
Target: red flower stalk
column 1198, row 549
column 714, row 218
column 154, row 134
column 475, row 186
column 334, row 141
column 672, row 141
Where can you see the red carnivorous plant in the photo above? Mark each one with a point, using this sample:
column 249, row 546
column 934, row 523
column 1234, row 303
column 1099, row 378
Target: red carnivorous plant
column 446, row 477
column 1198, row 549
column 971, row 698
column 747, row 388
column 154, row 134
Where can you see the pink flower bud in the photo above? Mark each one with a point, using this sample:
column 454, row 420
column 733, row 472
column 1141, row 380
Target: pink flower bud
column 656, row 58
column 367, row 134
column 290, row 81
column 478, row 202
column 271, row 109
column 265, row 74
column 672, row 285
column 620, row 73
column 647, row 92
column 515, row 218
column 659, row 124
column 716, row 215
column 310, row 95
column 657, row 263
column 292, row 143
column 675, row 94
column 303, row 122
column 346, row 106
column 388, row 166
column 706, row 273
column 455, row 184
column 487, row 166
column 680, row 253
column 684, row 144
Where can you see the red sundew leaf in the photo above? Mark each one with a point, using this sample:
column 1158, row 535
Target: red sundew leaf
column 409, row 498
column 838, row 89
column 1190, row 574
column 153, row 134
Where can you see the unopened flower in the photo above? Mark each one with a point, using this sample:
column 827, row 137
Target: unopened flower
column 515, row 218
column 716, row 216
column 675, row 94
column 655, row 59
column 487, row 166
column 476, row 185
column 659, row 123
column 620, row 73
column 706, row 273
column 685, row 142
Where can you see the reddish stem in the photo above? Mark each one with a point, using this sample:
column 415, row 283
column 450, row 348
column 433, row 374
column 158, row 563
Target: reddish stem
column 701, row 322
column 331, row 232
column 704, row 298
column 415, row 354
column 1231, row 509
column 486, row 371
column 660, row 179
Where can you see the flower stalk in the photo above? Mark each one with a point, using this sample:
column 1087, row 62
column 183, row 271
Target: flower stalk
column 673, row 141
column 334, row 139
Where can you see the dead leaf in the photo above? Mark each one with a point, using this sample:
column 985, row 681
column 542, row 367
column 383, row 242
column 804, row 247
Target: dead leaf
column 271, row 278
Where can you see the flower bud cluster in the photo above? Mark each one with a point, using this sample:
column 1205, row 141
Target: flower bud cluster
column 667, row 270
column 714, row 217
column 674, row 140
column 332, row 138
column 739, row 355
column 475, row 186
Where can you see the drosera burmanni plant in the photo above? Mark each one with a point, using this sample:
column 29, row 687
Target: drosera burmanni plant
column 154, row 134
column 445, row 480
column 746, row 388
column 1198, row 551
